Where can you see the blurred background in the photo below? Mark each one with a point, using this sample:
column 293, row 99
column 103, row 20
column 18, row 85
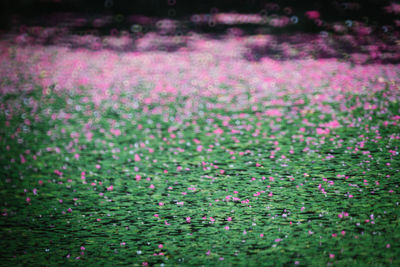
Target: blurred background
column 369, row 29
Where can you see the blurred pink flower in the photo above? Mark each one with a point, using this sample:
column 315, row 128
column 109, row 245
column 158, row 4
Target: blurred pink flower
column 313, row 14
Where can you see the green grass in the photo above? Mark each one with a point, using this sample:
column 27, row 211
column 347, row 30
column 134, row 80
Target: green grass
column 43, row 231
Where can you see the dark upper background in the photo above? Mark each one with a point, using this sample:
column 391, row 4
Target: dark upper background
column 30, row 11
column 369, row 28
